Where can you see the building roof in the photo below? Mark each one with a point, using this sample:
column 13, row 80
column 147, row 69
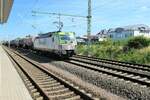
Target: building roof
column 137, row 27
column 5, row 8
column 102, row 32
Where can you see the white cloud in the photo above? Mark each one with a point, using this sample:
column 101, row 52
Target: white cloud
column 144, row 8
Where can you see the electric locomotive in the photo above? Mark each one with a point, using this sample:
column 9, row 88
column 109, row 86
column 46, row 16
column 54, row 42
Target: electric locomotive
column 61, row 43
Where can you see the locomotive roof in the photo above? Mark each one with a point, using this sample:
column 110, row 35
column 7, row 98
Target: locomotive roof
column 51, row 33
column 46, row 34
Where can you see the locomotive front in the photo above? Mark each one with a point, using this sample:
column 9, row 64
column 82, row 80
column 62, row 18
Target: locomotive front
column 67, row 43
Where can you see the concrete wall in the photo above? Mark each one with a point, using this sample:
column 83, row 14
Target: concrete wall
column 145, row 34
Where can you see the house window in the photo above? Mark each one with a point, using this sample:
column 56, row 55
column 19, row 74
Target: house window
column 53, row 39
column 126, row 35
column 111, row 36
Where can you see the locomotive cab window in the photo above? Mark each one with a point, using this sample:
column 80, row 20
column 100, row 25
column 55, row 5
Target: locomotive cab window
column 65, row 37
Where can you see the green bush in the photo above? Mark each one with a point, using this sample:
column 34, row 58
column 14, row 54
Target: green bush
column 115, row 50
column 137, row 43
column 134, row 56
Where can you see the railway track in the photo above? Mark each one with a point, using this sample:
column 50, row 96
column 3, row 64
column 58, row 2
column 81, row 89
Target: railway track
column 135, row 73
column 44, row 85
column 128, row 73
column 118, row 63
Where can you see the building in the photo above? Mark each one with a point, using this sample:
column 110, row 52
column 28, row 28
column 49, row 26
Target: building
column 80, row 40
column 5, row 8
column 102, row 35
column 129, row 31
column 93, row 38
column 125, row 32
column 84, row 39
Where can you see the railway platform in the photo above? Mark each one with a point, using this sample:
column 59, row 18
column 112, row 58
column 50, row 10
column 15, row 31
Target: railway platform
column 11, row 84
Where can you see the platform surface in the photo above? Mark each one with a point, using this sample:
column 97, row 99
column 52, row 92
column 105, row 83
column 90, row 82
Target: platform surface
column 11, row 84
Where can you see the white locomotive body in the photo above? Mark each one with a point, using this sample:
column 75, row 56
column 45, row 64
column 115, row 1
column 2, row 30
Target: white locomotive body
column 62, row 43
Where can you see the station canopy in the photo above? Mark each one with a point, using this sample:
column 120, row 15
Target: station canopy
column 5, row 8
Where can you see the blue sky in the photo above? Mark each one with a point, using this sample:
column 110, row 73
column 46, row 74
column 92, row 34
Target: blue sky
column 106, row 14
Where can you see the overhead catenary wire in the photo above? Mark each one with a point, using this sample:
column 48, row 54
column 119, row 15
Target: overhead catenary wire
column 60, row 24
column 88, row 17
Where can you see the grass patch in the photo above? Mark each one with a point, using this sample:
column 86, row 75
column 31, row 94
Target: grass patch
column 119, row 50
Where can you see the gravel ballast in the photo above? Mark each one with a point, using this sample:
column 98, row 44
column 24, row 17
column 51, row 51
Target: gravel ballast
column 112, row 84
column 118, row 86
column 94, row 91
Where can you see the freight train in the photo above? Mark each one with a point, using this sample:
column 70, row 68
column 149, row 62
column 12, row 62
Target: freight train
column 60, row 43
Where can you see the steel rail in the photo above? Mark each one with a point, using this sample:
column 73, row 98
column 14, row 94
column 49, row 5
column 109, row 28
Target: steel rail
column 124, row 75
column 40, row 67
column 119, row 63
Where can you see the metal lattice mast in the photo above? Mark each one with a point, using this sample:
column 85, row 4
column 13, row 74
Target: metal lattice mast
column 89, row 17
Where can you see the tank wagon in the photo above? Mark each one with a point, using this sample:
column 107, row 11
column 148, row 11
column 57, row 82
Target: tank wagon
column 21, row 43
column 61, row 43
column 28, row 42
column 15, row 43
column 5, row 43
column 12, row 42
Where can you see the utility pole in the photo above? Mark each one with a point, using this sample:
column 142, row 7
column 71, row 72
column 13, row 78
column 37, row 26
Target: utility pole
column 89, row 17
column 59, row 22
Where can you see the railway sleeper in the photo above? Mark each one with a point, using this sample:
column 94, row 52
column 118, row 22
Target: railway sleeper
column 58, row 92
column 44, row 80
column 27, row 81
column 36, row 95
column 49, row 82
column 34, row 90
column 32, row 87
column 42, row 76
column 143, row 79
column 136, row 77
column 74, row 98
column 29, row 84
column 148, row 81
column 54, row 88
column 63, row 96
column 40, row 73
column 50, row 85
column 39, row 98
